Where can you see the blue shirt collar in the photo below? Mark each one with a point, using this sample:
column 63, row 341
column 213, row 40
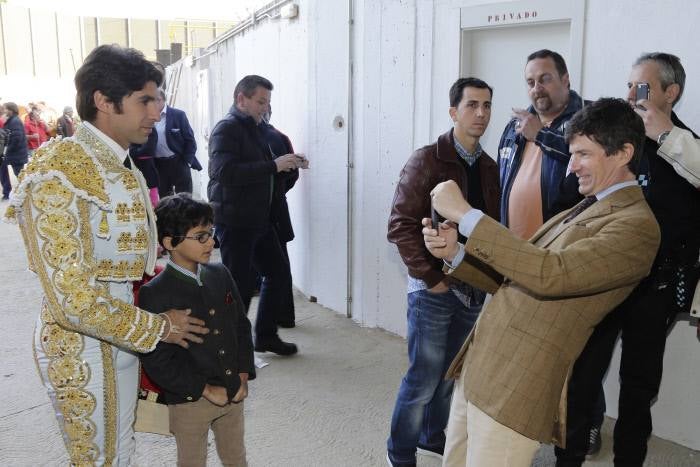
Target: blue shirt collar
column 469, row 158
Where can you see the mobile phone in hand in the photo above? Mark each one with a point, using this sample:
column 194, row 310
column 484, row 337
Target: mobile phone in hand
column 641, row 91
column 436, row 219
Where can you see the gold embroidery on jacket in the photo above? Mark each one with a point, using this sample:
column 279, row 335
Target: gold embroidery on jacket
column 55, row 218
column 71, row 275
column 69, row 159
column 124, row 242
column 137, row 243
column 68, row 375
column 85, row 229
column 110, row 403
column 122, row 213
column 138, row 211
column 107, row 270
column 103, row 230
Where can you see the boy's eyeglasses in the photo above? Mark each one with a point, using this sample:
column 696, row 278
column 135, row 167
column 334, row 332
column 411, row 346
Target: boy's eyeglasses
column 202, row 237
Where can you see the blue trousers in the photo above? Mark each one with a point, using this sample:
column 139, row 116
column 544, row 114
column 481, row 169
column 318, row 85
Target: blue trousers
column 438, row 324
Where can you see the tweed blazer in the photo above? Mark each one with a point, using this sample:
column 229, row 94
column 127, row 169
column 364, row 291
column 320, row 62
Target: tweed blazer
column 549, row 293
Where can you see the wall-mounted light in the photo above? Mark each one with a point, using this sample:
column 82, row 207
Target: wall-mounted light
column 289, row 11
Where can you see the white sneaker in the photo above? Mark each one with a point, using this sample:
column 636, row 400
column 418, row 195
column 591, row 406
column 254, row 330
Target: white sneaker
column 428, row 453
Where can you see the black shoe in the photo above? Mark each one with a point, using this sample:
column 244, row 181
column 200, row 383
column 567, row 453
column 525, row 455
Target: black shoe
column 396, row 464
column 427, row 451
column 275, row 345
column 286, row 324
column 594, row 442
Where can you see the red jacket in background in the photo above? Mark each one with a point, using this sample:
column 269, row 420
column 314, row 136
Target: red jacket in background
column 32, row 127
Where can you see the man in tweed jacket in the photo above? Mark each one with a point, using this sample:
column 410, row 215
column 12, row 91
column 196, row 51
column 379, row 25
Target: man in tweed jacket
column 549, row 292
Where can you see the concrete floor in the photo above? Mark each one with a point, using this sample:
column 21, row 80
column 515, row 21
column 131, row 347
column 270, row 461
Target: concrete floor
column 328, row 406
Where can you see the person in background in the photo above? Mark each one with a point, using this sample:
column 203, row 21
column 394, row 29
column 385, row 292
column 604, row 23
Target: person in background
column 174, row 149
column 645, row 318
column 35, row 128
column 441, row 312
column 15, row 152
column 65, row 125
column 143, row 157
column 533, row 154
column 243, row 179
column 280, row 145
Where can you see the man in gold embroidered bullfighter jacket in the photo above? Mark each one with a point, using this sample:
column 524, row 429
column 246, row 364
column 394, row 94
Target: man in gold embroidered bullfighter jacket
column 89, row 231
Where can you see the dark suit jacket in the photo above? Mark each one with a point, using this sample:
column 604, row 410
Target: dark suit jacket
column 16, row 142
column 241, row 173
column 226, row 351
column 144, row 158
column 280, row 145
column 179, row 137
column 549, row 294
column 64, row 127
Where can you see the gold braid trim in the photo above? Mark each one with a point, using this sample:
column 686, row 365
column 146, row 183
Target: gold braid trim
column 110, row 404
column 70, row 160
column 68, row 374
column 73, row 273
column 85, row 230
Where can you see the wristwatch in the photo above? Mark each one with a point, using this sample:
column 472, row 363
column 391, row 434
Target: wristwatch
column 662, row 137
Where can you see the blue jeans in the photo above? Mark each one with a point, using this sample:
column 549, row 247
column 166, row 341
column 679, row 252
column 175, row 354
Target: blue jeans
column 438, row 324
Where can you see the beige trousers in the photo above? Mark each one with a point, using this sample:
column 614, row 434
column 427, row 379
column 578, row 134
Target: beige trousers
column 474, row 439
column 190, row 423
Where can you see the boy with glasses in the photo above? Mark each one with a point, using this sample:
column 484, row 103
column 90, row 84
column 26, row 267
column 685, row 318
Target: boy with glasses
column 204, row 385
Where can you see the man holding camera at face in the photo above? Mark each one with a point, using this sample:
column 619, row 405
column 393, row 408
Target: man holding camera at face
column 646, row 316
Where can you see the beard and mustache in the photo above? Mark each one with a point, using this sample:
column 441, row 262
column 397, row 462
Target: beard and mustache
column 542, row 102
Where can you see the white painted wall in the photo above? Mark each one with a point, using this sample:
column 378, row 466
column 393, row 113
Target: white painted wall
column 307, row 61
column 406, row 54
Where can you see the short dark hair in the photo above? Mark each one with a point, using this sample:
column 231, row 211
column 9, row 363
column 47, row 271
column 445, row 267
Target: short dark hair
column 114, row 71
column 670, row 70
column 248, row 84
column 457, row 89
column 558, row 60
column 12, row 107
column 612, row 123
column 176, row 214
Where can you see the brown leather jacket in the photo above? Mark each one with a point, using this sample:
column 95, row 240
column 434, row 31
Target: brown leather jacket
column 427, row 167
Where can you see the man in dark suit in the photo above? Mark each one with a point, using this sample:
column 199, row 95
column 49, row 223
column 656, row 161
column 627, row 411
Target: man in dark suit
column 244, row 186
column 173, row 147
column 280, row 145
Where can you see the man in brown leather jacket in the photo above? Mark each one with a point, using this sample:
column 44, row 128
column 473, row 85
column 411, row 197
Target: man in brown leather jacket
column 440, row 312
